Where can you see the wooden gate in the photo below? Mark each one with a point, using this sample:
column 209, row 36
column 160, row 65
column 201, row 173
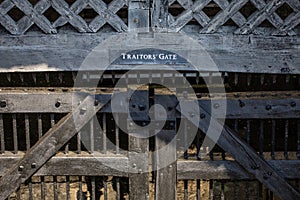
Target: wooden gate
column 51, row 146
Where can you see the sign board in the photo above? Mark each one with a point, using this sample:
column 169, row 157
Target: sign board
column 149, row 56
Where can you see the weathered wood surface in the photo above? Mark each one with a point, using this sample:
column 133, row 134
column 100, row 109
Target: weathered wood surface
column 166, row 177
column 241, row 152
column 70, row 165
column 138, row 16
column 138, row 155
column 239, row 105
column 48, row 145
column 220, row 169
column 161, row 18
column 233, row 10
column 251, row 54
column 186, row 169
column 33, row 15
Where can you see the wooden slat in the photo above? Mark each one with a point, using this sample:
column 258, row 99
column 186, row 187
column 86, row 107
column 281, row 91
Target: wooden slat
column 48, row 145
column 239, row 105
column 165, row 169
column 225, row 15
column 159, row 15
column 138, row 154
column 138, row 15
column 259, row 16
column 189, row 169
column 85, row 165
column 243, row 154
column 68, row 14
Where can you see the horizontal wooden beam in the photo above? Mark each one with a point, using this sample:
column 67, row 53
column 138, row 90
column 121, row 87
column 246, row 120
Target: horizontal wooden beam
column 83, row 165
column 75, row 166
column 231, row 170
column 231, row 53
column 239, row 105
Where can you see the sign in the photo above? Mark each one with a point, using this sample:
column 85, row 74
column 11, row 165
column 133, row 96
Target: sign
column 149, row 56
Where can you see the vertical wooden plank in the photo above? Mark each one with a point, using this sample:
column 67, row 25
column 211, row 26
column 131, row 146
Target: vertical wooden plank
column 15, row 134
column 286, row 139
column 92, row 137
column 138, row 159
column 138, row 155
column 159, row 15
column 117, row 129
column 40, row 126
column 138, row 16
column 27, row 133
column 104, row 134
column 2, row 135
column 166, row 178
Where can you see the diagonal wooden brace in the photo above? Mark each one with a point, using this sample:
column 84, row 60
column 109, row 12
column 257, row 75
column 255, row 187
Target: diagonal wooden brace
column 49, row 144
column 243, row 154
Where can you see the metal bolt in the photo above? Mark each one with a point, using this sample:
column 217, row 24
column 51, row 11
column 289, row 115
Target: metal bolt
column 254, row 167
column 21, row 168
column 268, row 107
column 267, row 175
column 170, row 166
column 33, row 165
column 57, row 104
column 216, row 106
column 134, row 165
column 130, row 124
column 136, row 20
column 96, row 102
column 82, row 110
column 172, row 124
column 192, row 114
column 202, row 115
column 3, row 104
column 293, row 104
column 142, row 107
column 140, row 171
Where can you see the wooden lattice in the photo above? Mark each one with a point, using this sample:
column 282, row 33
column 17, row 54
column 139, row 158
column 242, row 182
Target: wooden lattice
column 283, row 15
column 35, row 14
column 17, row 16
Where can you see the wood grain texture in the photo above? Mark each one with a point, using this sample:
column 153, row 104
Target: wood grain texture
column 231, row 53
column 239, row 105
column 75, row 165
column 187, row 170
column 166, row 177
column 138, row 154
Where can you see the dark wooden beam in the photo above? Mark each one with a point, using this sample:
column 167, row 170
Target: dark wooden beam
column 231, row 53
column 257, row 105
column 48, row 145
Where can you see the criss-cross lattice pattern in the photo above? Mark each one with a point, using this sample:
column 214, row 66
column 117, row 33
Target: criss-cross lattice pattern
column 17, row 16
column 246, row 16
column 282, row 15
